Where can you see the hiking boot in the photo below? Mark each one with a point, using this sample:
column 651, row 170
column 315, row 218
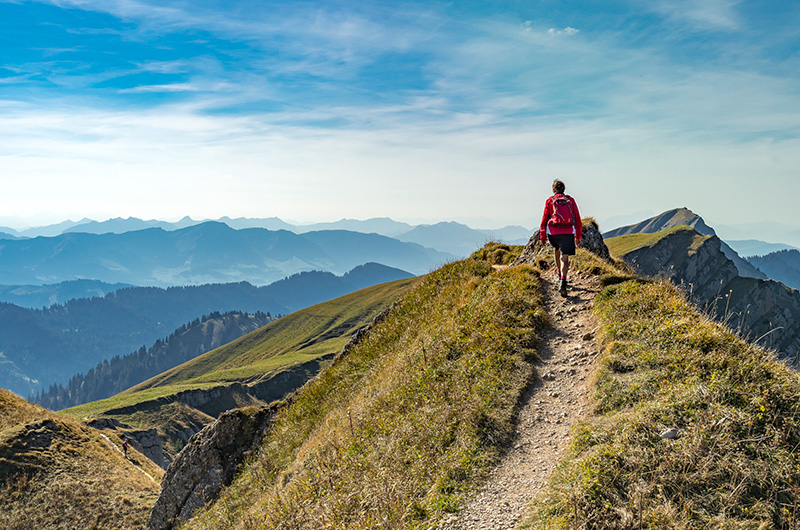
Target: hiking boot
column 562, row 289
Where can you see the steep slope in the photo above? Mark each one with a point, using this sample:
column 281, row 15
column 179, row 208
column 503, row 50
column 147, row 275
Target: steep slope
column 122, row 372
column 258, row 368
column 41, row 347
column 392, row 432
column 764, row 310
column 685, row 217
column 783, row 266
column 58, row 474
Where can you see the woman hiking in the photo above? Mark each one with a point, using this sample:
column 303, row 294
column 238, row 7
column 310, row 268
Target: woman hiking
column 561, row 225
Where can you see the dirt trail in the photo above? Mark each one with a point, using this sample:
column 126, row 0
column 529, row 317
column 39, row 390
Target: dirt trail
column 549, row 410
column 118, row 450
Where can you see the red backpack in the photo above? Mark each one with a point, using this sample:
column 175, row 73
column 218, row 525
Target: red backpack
column 562, row 215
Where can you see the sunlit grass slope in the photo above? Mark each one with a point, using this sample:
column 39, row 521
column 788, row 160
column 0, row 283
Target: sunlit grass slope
column 735, row 462
column 303, row 336
column 393, row 432
column 58, row 474
column 621, row 245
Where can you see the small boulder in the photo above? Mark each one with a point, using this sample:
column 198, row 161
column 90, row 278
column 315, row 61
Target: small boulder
column 669, row 434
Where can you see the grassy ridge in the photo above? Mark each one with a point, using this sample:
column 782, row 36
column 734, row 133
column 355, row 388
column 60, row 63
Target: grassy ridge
column 294, row 339
column 392, row 433
column 735, row 463
column 621, row 245
column 58, row 474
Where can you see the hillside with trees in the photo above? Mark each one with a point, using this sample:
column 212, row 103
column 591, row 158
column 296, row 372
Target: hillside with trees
column 114, row 375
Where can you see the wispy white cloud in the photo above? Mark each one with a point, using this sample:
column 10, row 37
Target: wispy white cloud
column 566, row 31
column 701, row 14
column 503, row 101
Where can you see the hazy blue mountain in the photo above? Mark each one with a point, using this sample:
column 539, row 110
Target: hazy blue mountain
column 119, row 225
column 684, row 216
column 762, row 231
column 459, row 239
column 269, row 223
column 36, row 296
column 44, row 346
column 783, row 265
column 51, row 230
column 346, row 250
column 456, row 238
column 378, row 225
column 512, row 234
column 210, row 252
column 6, row 235
column 754, row 247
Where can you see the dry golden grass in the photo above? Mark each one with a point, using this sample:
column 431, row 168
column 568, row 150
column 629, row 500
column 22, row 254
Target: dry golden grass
column 393, row 433
column 735, row 463
column 58, row 474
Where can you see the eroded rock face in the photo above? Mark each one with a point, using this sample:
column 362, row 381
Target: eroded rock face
column 147, row 442
column 765, row 311
column 592, row 241
column 206, row 464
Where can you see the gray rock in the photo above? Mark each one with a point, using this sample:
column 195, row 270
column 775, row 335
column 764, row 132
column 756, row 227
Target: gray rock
column 206, row 464
column 592, row 241
column 669, row 434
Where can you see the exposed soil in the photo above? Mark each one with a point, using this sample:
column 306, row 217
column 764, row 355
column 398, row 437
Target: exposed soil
column 549, row 410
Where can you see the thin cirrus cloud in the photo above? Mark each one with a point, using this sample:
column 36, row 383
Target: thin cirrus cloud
column 293, row 104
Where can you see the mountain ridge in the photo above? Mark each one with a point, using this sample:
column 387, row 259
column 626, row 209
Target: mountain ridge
column 684, row 216
column 42, row 345
column 207, row 253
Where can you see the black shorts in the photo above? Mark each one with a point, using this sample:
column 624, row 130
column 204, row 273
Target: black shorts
column 563, row 242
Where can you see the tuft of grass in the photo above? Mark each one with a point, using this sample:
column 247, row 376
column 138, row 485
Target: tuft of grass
column 737, row 411
column 497, row 253
column 394, row 432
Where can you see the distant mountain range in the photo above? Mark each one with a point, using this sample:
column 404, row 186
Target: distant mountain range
column 39, row 347
column 754, row 247
column 783, row 265
column 451, row 237
column 38, row 296
column 684, row 216
column 206, row 253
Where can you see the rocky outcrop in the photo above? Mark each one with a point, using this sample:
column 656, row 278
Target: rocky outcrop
column 147, row 442
column 592, row 241
column 686, row 217
column 208, row 463
column 763, row 310
column 212, row 457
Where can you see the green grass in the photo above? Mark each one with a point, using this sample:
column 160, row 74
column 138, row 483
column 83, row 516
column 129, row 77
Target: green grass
column 394, row 433
column 620, row 246
column 306, row 335
column 735, row 464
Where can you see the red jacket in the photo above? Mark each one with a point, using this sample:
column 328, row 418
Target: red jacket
column 546, row 226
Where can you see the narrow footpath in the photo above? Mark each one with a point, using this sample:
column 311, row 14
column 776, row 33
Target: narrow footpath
column 119, row 451
column 550, row 408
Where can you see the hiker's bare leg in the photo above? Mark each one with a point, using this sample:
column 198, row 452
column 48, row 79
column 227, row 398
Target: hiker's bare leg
column 564, row 266
column 557, row 254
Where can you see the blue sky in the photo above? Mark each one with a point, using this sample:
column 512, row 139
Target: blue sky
column 420, row 111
